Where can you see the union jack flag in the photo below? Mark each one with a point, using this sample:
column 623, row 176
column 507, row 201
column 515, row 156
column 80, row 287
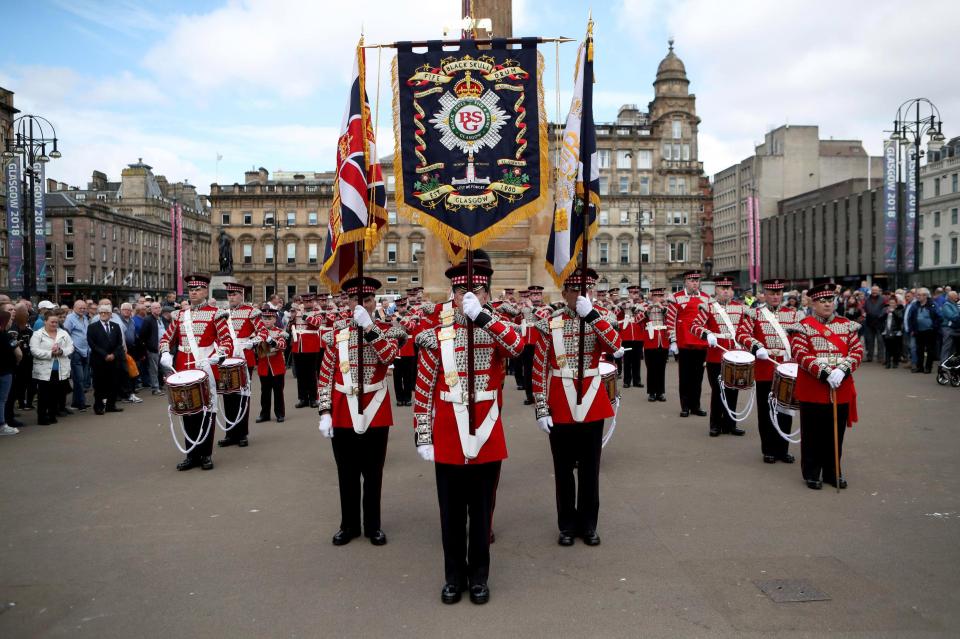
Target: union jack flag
column 359, row 211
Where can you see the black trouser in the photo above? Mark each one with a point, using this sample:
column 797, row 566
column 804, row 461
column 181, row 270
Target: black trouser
column 771, row 444
column 360, row 456
column 306, row 365
column 271, row 384
column 517, row 364
column 466, row 490
column 578, row 502
column 816, row 439
column 404, row 377
column 720, row 419
column 926, row 343
column 631, row 363
column 656, row 359
column 48, row 397
column 894, row 348
column 231, row 408
column 527, row 363
column 192, row 424
column 691, row 376
column 871, row 336
column 105, row 384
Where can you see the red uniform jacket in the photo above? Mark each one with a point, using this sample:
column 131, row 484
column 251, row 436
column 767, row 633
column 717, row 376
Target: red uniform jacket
column 210, row 332
column 434, row 419
column 755, row 332
column 305, row 332
column 380, row 349
column 630, row 316
column 247, row 331
column 548, row 373
column 273, row 362
column 682, row 308
column 653, row 326
column 820, row 347
column 709, row 320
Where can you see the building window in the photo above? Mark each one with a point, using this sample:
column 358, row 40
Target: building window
column 953, row 250
column 677, row 129
column 667, row 150
column 291, row 252
column 644, row 185
column 936, row 252
column 93, row 252
column 604, row 252
column 68, row 226
column 312, row 252
column 936, row 187
column 645, row 253
column 936, row 219
column 954, row 184
column 312, row 218
column 678, row 251
column 623, row 159
column 248, row 253
column 392, row 252
column 103, row 253
column 676, row 217
column 114, row 233
column 392, row 279
column 68, row 251
column 291, row 291
column 268, row 218
column 48, row 228
column 644, row 160
column 603, row 158
column 225, row 219
column 920, row 254
column 624, row 217
column 247, row 218
column 391, row 217
column 604, row 185
column 268, row 253
column 604, row 218
column 625, row 251
column 415, row 247
column 114, row 254
column 920, row 221
column 69, row 275
column 624, row 184
column 103, row 231
column 391, row 183
column 291, row 218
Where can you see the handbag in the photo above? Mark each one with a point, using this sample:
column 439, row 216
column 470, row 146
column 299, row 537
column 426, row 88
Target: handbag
column 132, row 369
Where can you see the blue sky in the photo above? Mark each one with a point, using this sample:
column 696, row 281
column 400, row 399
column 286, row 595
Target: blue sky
column 263, row 82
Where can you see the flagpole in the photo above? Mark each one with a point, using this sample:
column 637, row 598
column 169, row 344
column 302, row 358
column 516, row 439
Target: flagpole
column 471, row 382
column 585, row 158
column 456, row 43
column 360, row 246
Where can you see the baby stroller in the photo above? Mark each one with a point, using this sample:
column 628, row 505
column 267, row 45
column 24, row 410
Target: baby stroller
column 949, row 371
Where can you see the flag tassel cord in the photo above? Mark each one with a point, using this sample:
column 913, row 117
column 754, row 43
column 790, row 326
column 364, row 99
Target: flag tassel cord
column 454, row 43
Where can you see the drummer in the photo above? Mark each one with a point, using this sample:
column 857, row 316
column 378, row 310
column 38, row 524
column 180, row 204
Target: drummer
column 202, row 337
column 656, row 341
column 271, row 367
column 246, row 332
column 575, row 429
column 716, row 322
column 764, row 331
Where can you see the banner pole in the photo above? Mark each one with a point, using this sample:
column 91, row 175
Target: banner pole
column 585, row 198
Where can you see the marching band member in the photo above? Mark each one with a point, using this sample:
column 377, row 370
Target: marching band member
column 271, row 367
column 828, row 349
column 575, row 430
column 632, row 337
column 656, row 341
column 716, row 322
column 532, row 312
column 405, row 365
column 467, row 463
column 358, row 425
column 765, row 331
column 201, row 334
column 246, row 332
column 306, row 352
column 682, row 308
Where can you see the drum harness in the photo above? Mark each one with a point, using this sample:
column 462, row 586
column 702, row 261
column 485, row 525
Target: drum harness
column 772, row 403
column 209, row 412
column 245, row 392
column 737, row 416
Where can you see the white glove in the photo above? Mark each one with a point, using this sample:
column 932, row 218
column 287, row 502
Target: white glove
column 617, row 354
column 471, row 306
column 326, row 426
column 762, row 353
column 712, row 340
column 836, row 378
column 362, row 317
column 166, row 361
column 674, row 349
column 545, row 423
column 426, row 452
column 584, row 306
column 238, row 350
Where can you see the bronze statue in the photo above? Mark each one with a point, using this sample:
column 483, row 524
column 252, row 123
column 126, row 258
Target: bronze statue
column 226, row 254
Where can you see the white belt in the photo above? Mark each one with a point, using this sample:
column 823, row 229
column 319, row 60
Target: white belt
column 569, row 373
column 308, row 332
column 458, row 398
column 657, row 328
column 367, row 388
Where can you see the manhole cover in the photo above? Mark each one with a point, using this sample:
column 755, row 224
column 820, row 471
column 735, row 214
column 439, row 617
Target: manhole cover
column 790, row 590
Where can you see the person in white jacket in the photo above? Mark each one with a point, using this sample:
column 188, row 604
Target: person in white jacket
column 51, row 347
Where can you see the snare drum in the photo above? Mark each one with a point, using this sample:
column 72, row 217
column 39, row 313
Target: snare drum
column 232, row 376
column 188, row 392
column 736, row 370
column 608, row 377
column 784, row 381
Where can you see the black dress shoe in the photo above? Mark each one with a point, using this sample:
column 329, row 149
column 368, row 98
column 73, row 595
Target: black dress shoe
column 261, row 419
column 814, row 484
column 313, row 403
column 527, row 402
column 301, row 404
column 684, row 412
column 479, row 594
column 565, row 539
column 98, row 411
column 223, row 443
column 651, row 398
column 188, row 463
column 714, row 432
column 280, row 419
column 450, row 593
column 638, row 384
column 243, row 443
column 661, row 397
column 787, row 458
column 699, row 412
column 739, row 432
column 377, row 538
column 843, row 483
column 769, row 459
column 591, row 538
column 343, row 537
column 206, row 463
column 114, row 409
column 626, row 384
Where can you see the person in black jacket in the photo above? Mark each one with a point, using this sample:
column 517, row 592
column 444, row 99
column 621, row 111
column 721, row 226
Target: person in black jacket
column 107, row 360
column 892, row 330
column 151, row 330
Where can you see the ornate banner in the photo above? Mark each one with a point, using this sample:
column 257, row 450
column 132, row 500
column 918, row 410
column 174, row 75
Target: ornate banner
column 890, row 189
column 11, row 176
column 471, row 140
column 40, row 227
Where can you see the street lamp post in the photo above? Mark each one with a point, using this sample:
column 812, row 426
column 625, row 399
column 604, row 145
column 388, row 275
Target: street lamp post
column 909, row 131
column 32, row 136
